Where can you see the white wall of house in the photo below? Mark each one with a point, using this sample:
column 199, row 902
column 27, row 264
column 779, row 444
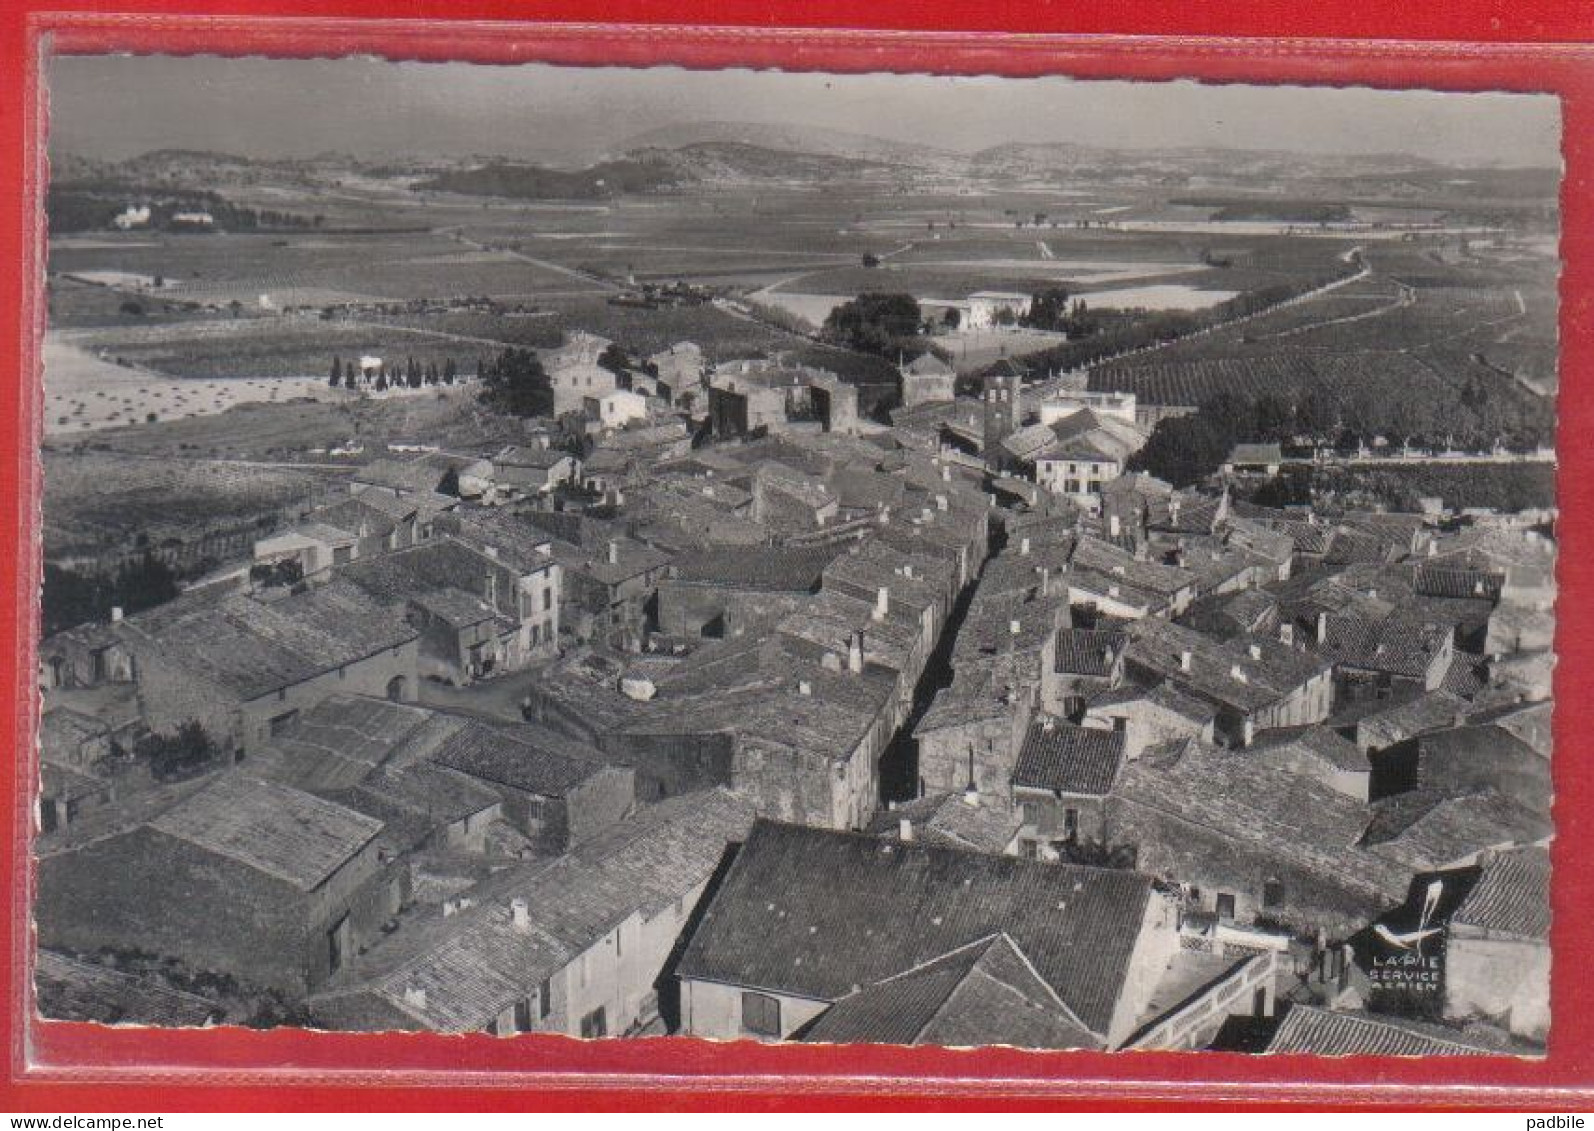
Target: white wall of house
column 714, row 1010
column 1496, row 976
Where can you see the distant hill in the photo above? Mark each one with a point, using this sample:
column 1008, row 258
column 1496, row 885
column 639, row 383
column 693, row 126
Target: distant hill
column 807, row 140
column 537, row 182
column 730, row 161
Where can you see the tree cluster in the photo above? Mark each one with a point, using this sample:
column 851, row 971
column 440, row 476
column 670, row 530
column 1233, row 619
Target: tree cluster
column 182, row 754
column 876, row 323
column 70, row 598
column 515, row 384
column 411, row 374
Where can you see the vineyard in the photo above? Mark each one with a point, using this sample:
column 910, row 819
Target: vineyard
column 94, row 501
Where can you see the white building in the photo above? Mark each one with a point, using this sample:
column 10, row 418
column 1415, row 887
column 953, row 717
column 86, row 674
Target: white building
column 986, row 306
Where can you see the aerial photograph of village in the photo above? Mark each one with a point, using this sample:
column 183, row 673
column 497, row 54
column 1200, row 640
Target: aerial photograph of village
column 796, row 557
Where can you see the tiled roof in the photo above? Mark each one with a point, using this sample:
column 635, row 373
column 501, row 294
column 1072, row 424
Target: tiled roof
column 1438, row 581
column 70, row 990
column 473, row 965
column 1088, row 651
column 1291, row 816
column 276, row 830
column 1307, row 1029
column 251, row 648
column 1426, row 831
column 1316, row 741
column 985, row 993
column 338, row 741
column 1512, row 896
column 493, row 754
column 1073, row 759
column 1433, row 711
column 815, row 914
column 954, row 820
column 1396, row 646
column 777, row 568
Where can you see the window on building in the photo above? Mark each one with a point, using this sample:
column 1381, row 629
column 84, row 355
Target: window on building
column 760, row 1014
column 338, row 945
column 1225, row 905
column 523, row 1016
column 1071, row 823
column 545, row 999
column 547, row 599
column 619, row 942
column 595, row 1024
column 1272, row 894
column 341, row 555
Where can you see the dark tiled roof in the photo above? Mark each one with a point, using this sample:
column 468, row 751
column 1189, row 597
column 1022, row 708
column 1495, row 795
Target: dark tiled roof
column 1089, row 651
column 1425, row 831
column 251, row 648
column 493, row 755
column 70, row 990
column 1073, row 759
column 818, row 914
column 986, row 993
column 777, row 568
column 1513, row 895
column 1317, row 741
column 1395, row 646
column 1438, row 581
column 1307, row 1029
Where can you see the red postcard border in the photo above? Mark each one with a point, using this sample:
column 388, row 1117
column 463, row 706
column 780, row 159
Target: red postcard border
column 56, row 1066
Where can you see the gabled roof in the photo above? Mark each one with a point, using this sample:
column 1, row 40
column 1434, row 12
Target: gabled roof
column 1089, row 651
column 271, row 828
column 1070, row 759
column 816, row 914
column 783, row 569
column 985, row 993
column 495, row 755
column 251, row 648
column 457, row 973
column 1425, row 831
column 1271, row 809
column 1316, row 742
column 1322, row 1032
column 1512, row 897
column 954, row 820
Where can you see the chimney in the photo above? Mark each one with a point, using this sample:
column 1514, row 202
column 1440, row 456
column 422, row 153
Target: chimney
column 1184, row 660
column 1238, row 673
column 855, row 653
column 946, row 474
column 1322, row 627
column 971, row 797
column 415, row 996
column 925, row 514
column 1256, row 651
column 1014, row 627
column 614, row 552
column 492, row 552
column 1046, row 581
column 116, row 614
column 882, row 602
column 904, row 830
column 1287, row 634
column 520, row 914
column 1114, row 527
column 940, row 502
column 1023, row 547
column 804, row 687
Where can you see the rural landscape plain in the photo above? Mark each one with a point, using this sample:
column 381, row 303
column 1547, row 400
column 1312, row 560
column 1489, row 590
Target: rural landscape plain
column 797, row 557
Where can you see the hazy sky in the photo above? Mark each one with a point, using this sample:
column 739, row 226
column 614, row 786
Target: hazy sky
column 117, row 106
